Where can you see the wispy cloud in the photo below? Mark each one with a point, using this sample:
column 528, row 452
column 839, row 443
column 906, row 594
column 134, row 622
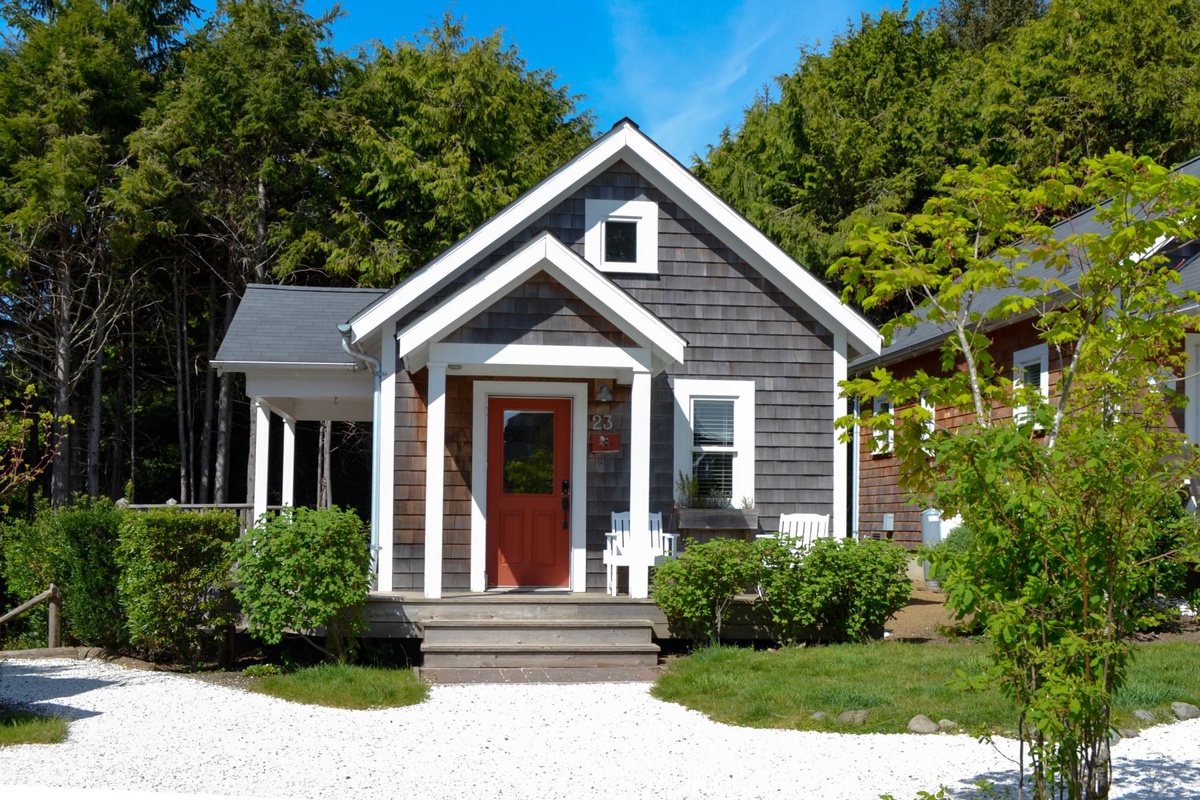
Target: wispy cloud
column 685, row 71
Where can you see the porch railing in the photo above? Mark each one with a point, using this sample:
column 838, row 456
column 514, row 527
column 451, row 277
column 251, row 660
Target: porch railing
column 244, row 511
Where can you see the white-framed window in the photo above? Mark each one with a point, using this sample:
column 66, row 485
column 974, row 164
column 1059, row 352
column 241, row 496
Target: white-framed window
column 1031, row 370
column 883, row 440
column 621, row 235
column 930, row 424
column 714, row 437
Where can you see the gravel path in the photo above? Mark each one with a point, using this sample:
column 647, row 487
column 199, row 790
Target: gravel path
column 147, row 731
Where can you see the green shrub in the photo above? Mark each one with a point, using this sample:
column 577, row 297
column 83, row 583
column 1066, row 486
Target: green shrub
column 75, row 548
column 173, row 564
column 695, row 590
column 958, row 542
column 838, row 587
column 32, row 560
column 303, row 570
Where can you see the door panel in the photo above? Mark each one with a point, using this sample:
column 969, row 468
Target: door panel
column 528, row 457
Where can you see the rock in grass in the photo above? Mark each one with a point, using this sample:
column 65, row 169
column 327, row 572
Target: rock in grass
column 1143, row 715
column 853, row 717
column 820, row 716
column 948, row 725
column 922, row 724
column 1185, row 711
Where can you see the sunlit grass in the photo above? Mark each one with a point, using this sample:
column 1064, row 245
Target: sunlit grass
column 341, row 686
column 893, row 682
column 25, row 727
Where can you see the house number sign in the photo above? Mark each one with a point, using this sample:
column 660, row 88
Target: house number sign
column 603, row 440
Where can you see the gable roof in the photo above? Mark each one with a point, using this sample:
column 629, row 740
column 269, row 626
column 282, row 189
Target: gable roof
column 291, row 326
column 926, row 335
column 543, row 253
column 624, row 142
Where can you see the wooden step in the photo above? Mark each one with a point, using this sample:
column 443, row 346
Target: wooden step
column 569, row 655
column 537, row 631
column 546, row 642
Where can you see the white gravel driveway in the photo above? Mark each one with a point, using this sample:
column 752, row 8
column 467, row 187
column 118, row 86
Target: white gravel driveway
column 155, row 732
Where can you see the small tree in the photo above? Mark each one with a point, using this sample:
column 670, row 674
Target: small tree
column 1061, row 496
column 303, row 570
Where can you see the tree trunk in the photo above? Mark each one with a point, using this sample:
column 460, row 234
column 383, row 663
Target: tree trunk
column 93, row 452
column 117, row 444
column 224, row 403
column 181, row 394
column 260, row 234
column 324, row 468
column 206, row 432
column 60, row 474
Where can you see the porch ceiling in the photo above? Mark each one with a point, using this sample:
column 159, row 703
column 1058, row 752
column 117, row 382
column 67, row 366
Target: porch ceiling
column 336, row 393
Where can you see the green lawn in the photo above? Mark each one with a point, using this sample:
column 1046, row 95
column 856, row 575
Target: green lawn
column 345, row 687
column 25, row 727
column 894, row 682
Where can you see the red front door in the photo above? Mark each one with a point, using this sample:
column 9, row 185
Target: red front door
column 528, row 502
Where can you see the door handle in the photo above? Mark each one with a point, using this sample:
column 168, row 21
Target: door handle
column 566, row 487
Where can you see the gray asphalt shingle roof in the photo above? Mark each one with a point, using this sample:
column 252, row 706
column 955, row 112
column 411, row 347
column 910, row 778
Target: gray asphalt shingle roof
column 925, row 336
column 292, row 325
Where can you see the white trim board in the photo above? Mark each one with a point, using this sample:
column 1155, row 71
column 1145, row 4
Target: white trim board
column 578, row 394
column 742, row 393
column 626, row 142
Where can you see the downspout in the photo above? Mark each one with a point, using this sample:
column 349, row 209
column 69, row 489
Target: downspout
column 376, row 433
column 854, row 467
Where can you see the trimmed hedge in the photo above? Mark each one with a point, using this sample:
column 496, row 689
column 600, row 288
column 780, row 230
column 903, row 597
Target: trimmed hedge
column 838, row 588
column 75, row 548
column 173, row 565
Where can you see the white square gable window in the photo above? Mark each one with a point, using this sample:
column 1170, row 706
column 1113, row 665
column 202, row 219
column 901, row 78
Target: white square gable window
column 621, row 235
column 1031, row 370
column 714, row 437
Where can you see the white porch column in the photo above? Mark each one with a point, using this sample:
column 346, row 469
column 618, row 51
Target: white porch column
column 841, row 457
column 262, row 452
column 435, row 478
column 639, row 485
column 289, row 461
column 385, row 464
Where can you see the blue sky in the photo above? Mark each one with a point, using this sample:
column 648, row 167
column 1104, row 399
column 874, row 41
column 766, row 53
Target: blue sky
column 681, row 70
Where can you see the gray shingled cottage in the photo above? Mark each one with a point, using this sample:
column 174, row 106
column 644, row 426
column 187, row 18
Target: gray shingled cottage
column 615, row 326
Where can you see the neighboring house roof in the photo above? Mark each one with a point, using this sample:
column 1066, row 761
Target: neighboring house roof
column 926, row 336
column 624, row 142
column 291, row 326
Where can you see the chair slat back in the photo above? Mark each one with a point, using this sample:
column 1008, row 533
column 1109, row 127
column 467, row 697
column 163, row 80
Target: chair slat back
column 803, row 529
column 620, row 526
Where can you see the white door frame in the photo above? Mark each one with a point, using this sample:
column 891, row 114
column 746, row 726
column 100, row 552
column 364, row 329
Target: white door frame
column 578, row 394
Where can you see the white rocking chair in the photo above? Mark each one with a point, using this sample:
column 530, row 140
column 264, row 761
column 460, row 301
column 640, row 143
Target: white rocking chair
column 800, row 530
column 618, row 553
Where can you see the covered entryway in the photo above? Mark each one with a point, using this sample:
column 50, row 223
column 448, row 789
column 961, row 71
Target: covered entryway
column 529, row 492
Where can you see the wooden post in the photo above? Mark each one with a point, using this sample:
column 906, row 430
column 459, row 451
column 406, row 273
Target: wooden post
column 54, row 628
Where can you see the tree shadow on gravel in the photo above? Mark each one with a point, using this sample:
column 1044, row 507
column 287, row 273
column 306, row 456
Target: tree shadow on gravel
column 1133, row 779
column 34, row 684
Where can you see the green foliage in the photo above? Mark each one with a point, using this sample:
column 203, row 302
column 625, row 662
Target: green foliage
column 263, row 670
column 840, row 588
column 695, row 590
column 74, row 548
column 346, row 686
column 173, row 567
column 1063, row 499
column 302, row 570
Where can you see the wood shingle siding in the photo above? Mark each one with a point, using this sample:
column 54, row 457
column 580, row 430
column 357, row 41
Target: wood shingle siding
column 737, row 325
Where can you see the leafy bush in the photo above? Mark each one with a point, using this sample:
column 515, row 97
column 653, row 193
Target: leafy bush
column 173, row 564
column 302, row 570
column 958, row 542
column 75, row 548
column 695, row 590
column 841, row 587
column 32, row 560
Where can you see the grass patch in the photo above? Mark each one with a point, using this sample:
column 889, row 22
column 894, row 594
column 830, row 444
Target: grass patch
column 342, row 686
column 894, row 682
column 26, row 727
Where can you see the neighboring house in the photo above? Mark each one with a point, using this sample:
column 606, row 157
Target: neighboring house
column 883, row 509
column 615, row 326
